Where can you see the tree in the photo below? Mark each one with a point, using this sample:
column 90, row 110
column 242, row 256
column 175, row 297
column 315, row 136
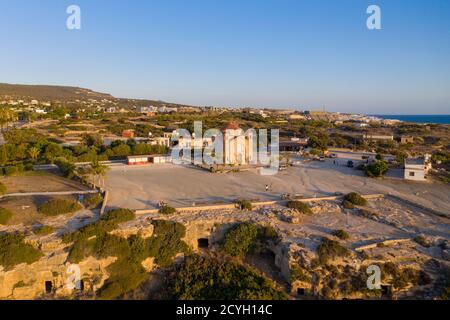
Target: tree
column 99, row 172
column 34, row 152
column 122, row 150
column 6, row 117
column 400, row 157
column 377, row 169
column 93, row 140
column 319, row 141
column 3, row 155
column 52, row 151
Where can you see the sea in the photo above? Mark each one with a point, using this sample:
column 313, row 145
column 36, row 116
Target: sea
column 429, row 118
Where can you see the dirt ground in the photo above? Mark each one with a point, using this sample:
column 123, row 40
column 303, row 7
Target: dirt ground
column 25, row 210
column 39, row 181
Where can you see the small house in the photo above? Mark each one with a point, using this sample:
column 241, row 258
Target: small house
column 128, row 134
column 417, row 168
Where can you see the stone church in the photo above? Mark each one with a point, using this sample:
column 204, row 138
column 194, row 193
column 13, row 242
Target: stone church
column 238, row 145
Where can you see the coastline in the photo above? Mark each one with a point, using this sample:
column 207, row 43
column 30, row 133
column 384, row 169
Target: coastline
column 419, row 119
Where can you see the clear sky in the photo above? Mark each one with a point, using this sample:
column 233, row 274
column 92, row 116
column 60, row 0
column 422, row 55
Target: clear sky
column 279, row 53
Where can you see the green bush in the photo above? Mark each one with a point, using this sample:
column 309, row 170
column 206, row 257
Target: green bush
column 93, row 201
column 107, row 223
column 348, row 205
column 126, row 273
column 300, row 206
column 244, row 204
column 119, row 215
column 14, row 251
column 43, row 230
column 56, row 207
column 66, row 167
column 422, row 241
column 3, row 188
column 377, row 169
column 209, row 278
column 166, row 242
column 355, row 199
column 240, row 239
column 10, row 171
column 5, row 215
column 298, row 274
column 244, row 238
column 341, row 234
column 368, row 214
column 167, row 210
column 330, row 249
column 268, row 233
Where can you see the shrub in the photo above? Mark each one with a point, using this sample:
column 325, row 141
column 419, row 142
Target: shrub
column 209, row 278
column 348, row 205
column 126, row 273
column 355, row 199
column 341, row 234
column 107, row 223
column 422, row 241
column 240, row 239
column 167, row 210
column 43, row 230
column 10, row 171
column 14, row 251
column 3, row 188
column 330, row 249
column 300, row 206
column 368, row 214
column 119, row 215
column 66, row 167
column 5, row 215
column 244, row 204
column 377, row 169
column 298, row 274
column 167, row 242
column 268, row 233
column 93, row 201
column 56, row 207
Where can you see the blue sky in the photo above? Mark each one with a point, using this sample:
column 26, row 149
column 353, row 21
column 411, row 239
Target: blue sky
column 285, row 53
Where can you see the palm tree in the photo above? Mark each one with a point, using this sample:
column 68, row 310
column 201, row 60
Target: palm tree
column 34, row 152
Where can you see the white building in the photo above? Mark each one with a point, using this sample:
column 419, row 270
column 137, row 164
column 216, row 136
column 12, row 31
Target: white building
column 238, row 147
column 417, row 168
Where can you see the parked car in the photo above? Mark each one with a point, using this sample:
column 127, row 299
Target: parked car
column 322, row 159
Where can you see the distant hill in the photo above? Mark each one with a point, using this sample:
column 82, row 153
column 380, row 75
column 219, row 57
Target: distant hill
column 52, row 93
column 70, row 94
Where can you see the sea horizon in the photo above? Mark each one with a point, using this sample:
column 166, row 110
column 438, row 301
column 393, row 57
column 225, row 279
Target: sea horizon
column 418, row 118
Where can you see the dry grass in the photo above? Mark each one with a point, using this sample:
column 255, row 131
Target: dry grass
column 38, row 181
column 24, row 209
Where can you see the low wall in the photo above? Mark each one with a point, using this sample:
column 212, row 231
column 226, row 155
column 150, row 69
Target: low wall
column 54, row 193
column 386, row 243
column 232, row 206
